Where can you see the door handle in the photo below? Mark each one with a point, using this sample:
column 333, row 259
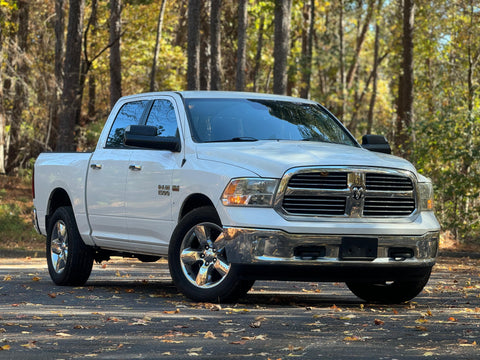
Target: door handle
column 135, row 167
column 96, row 166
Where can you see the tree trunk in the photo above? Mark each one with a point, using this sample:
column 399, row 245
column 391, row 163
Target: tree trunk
column 371, row 107
column 283, row 9
column 157, row 45
column 20, row 100
column 193, row 46
column 92, row 80
column 343, row 87
column 242, row 45
column 205, row 52
column 70, row 96
column 404, row 122
column 360, row 40
column 215, row 44
column 307, row 49
column 59, row 26
column 258, row 55
column 115, row 60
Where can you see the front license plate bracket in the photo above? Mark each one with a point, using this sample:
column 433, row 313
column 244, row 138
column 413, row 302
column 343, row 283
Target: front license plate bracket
column 358, row 248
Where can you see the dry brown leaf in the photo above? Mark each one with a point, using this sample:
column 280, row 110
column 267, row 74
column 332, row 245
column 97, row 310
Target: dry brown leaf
column 209, row 335
column 176, row 311
column 352, row 338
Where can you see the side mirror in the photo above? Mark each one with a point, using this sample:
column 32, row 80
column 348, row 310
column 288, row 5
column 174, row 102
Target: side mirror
column 377, row 143
column 145, row 136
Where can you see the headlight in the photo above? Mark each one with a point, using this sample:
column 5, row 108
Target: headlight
column 250, row 192
column 426, row 196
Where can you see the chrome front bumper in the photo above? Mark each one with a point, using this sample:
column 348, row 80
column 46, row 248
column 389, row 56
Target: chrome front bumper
column 274, row 247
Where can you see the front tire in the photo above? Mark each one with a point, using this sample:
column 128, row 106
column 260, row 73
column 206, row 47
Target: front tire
column 198, row 263
column 395, row 292
column 69, row 260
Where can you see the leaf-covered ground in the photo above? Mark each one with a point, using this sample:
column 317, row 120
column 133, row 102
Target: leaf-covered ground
column 132, row 310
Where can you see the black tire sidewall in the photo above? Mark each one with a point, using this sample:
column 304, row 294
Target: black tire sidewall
column 80, row 257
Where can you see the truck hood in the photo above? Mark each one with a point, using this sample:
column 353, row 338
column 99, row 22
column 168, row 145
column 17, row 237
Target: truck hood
column 273, row 158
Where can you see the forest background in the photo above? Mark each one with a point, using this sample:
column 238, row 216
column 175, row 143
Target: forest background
column 406, row 69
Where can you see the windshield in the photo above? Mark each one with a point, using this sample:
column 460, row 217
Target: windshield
column 216, row 120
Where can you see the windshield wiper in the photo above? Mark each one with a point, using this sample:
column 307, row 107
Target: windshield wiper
column 236, row 139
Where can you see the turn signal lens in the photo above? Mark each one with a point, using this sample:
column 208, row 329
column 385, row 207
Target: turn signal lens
column 426, row 196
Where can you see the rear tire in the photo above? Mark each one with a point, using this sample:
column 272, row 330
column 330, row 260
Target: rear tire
column 198, row 263
column 69, row 260
column 395, row 292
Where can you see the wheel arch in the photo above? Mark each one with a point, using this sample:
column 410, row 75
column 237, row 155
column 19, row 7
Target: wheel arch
column 58, row 198
column 193, row 202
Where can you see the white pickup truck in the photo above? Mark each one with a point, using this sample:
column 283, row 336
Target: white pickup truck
column 236, row 187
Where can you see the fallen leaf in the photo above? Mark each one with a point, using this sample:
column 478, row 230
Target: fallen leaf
column 379, row 322
column 30, row 345
column 452, row 319
column 421, row 328
column 352, row 338
column 169, row 341
column 196, row 350
column 209, row 335
column 421, row 321
column 52, row 295
column 258, row 337
column 61, row 334
column 36, row 278
column 176, row 311
column 197, row 318
column 5, row 347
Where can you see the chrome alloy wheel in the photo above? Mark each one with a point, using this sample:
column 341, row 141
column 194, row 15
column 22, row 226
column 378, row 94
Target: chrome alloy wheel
column 59, row 247
column 202, row 255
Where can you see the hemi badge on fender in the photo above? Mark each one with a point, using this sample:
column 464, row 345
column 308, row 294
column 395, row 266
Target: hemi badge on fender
column 175, row 187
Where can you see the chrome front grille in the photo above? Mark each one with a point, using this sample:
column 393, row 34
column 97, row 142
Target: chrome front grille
column 315, row 205
column 319, row 180
column 347, row 193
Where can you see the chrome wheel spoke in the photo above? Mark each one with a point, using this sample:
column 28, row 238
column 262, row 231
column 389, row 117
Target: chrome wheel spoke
column 59, row 247
column 56, row 246
column 202, row 276
column 190, row 256
column 202, row 233
column 222, row 267
column 219, row 243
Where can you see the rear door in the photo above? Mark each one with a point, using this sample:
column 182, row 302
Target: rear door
column 149, row 185
column 107, row 177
